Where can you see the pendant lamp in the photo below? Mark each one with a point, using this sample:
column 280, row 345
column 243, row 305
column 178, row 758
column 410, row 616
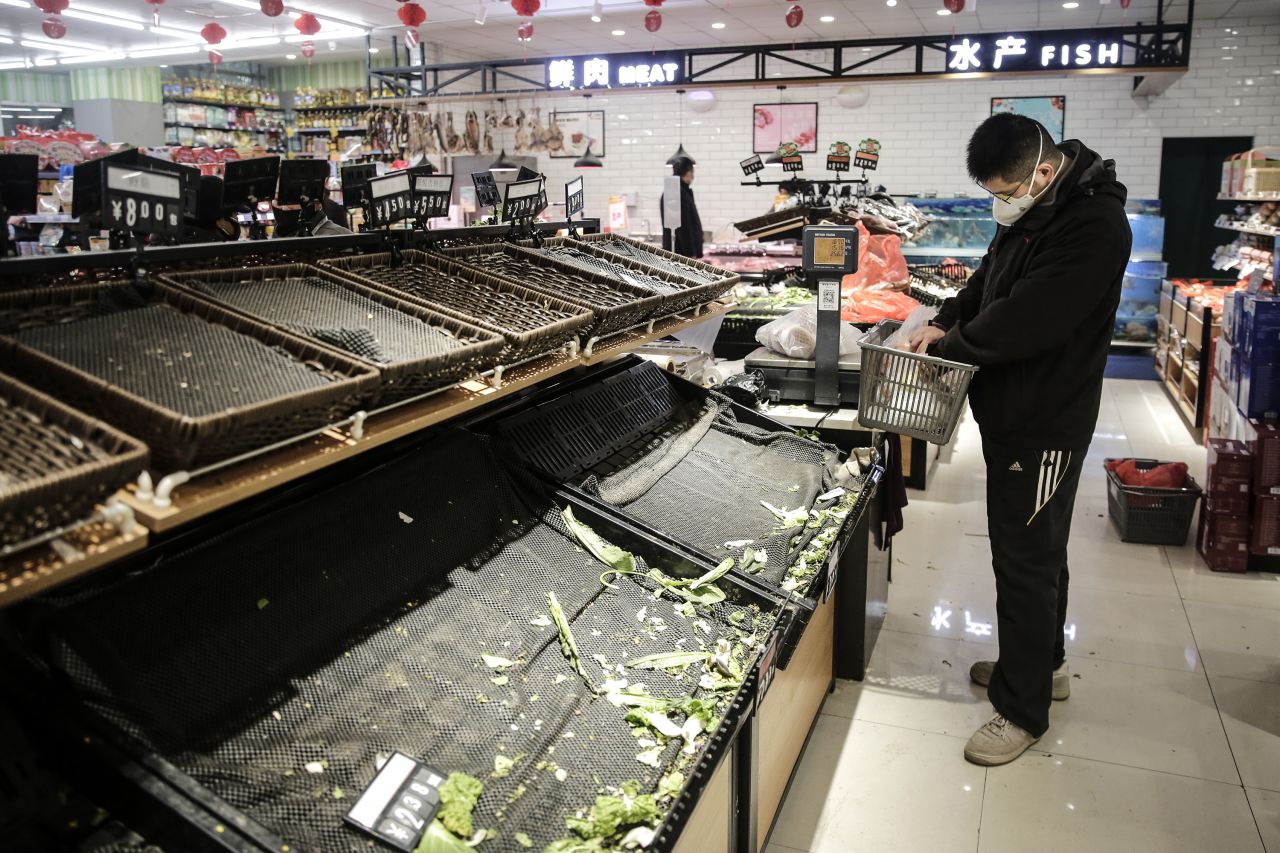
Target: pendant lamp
column 680, row 154
column 502, row 164
column 588, row 160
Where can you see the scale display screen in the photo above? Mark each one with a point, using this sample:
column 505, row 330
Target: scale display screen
column 830, row 249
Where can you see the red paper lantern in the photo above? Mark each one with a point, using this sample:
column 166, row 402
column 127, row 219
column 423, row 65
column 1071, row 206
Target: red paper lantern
column 525, row 31
column 411, row 15
column 271, row 8
column 307, row 24
column 213, row 32
column 52, row 7
column 53, row 27
column 953, row 6
column 308, row 49
column 653, row 21
column 795, row 15
column 215, row 57
column 526, row 8
column 653, row 3
column 155, row 10
column 1124, row 4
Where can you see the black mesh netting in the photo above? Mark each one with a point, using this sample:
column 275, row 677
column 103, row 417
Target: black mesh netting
column 602, row 266
column 176, row 359
column 636, row 253
column 334, row 314
column 550, row 279
column 350, row 625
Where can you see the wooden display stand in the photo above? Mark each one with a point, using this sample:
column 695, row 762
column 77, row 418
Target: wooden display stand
column 1186, row 333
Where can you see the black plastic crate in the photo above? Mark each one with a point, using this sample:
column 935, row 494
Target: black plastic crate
column 1151, row 516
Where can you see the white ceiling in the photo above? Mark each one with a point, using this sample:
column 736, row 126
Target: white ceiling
column 560, row 27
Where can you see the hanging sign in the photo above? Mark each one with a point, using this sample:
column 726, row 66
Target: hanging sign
column 487, row 194
column 390, row 199
column 1064, row 50
column 431, row 195
column 522, row 200
column 868, row 156
column 142, row 201
column 617, row 70
column 791, row 159
column 671, row 209
column 751, row 165
column 574, row 198
column 399, row 803
column 838, row 157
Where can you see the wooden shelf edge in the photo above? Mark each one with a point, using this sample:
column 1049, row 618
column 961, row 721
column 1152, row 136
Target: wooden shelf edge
column 37, row 569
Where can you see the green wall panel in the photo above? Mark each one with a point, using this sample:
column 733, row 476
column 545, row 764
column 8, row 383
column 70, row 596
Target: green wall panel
column 36, row 87
column 126, row 84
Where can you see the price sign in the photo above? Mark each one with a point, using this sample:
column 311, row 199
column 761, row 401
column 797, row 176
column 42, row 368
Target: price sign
column 751, row 165
column 142, row 201
column 792, row 163
column 524, row 199
column 838, row 157
column 399, row 803
column 868, row 154
column 431, row 195
column 486, row 189
column 390, row 199
column 574, row 198
column 767, row 667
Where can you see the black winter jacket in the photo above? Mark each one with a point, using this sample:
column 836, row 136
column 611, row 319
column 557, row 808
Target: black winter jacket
column 1037, row 316
column 688, row 237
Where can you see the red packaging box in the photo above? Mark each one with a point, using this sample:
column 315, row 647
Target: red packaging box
column 1230, row 459
column 1266, row 526
column 1265, row 446
column 1233, row 503
column 1221, row 554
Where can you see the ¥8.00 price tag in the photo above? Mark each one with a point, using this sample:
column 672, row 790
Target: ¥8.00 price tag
column 389, row 199
column 399, row 803
column 142, row 201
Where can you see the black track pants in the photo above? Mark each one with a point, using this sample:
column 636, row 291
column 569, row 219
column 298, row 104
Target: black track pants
column 1030, row 496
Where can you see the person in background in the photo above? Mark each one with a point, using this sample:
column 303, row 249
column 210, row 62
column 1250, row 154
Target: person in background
column 1036, row 318
column 687, row 239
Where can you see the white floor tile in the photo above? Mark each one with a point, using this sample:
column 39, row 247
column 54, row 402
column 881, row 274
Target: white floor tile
column 1251, row 715
column 1058, row 804
column 1266, row 811
column 863, row 786
column 1239, row 642
column 1155, row 719
column 1196, row 582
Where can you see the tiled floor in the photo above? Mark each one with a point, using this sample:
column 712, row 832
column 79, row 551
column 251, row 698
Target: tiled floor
column 1170, row 740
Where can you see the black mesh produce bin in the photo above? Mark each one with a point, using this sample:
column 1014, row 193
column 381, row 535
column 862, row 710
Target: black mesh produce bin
column 55, row 463
column 1148, row 515
column 927, row 278
column 617, row 306
column 271, row 669
column 413, row 348
column 776, row 224
column 659, row 258
column 532, row 323
column 194, row 381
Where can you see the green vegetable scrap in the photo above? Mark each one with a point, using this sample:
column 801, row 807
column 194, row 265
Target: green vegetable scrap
column 713, row 575
column 736, row 618
column 502, row 764
column 458, row 797
column 611, row 814
column 523, row 840
column 262, row 602
column 437, row 839
column 495, row 662
column 668, row 660
column 568, row 646
column 573, row 845
column 606, row 552
column 670, row 785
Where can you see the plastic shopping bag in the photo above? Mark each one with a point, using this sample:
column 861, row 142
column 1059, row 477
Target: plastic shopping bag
column 796, row 334
column 873, row 304
column 880, row 261
column 918, row 318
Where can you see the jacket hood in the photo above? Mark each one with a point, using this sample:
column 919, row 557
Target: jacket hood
column 1088, row 174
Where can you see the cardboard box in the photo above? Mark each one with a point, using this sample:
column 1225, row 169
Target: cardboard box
column 1265, row 538
column 1221, row 554
column 1218, row 409
column 1259, row 392
column 1228, row 460
column 1263, row 441
column 1260, row 327
column 1222, row 352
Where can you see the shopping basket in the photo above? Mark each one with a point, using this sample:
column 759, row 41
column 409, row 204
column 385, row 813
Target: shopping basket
column 908, row 393
column 1151, row 515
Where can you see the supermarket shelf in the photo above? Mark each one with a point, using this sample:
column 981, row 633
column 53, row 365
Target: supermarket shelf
column 73, row 554
column 331, row 109
column 1237, row 225
column 328, row 130
column 1267, row 196
column 225, row 486
column 239, row 106
column 225, row 127
column 1233, row 263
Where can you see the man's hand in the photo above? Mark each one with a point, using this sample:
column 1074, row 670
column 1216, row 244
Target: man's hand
column 924, row 336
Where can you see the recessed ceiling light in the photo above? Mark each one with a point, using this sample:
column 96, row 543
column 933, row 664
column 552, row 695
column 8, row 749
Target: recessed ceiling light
column 891, row 3
column 1071, row 5
column 826, row 19
column 162, row 65
column 944, row 12
column 291, row 56
column 59, row 109
column 718, row 25
column 595, row 19
column 373, row 50
column 619, row 32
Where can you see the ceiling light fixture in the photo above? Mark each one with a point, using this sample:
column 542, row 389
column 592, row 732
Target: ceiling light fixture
column 944, row 12
column 291, row 56
column 5, row 40
column 1071, row 5
column 482, row 12
column 163, row 51
column 49, row 109
column 718, row 25
column 59, row 47
column 17, row 4
column 619, row 32
column 171, row 32
column 891, row 3
column 597, row 12
column 99, row 18
column 331, row 35
column 34, row 116
column 373, row 50
column 254, row 42
column 110, row 56
column 45, row 63
column 826, row 19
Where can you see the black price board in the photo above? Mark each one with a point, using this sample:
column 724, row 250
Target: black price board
column 524, row 199
column 792, row 163
column 431, row 194
column 751, row 165
column 542, row 201
column 399, row 803
column 142, row 201
column 486, row 189
column 830, row 250
column 390, row 199
column 574, row 198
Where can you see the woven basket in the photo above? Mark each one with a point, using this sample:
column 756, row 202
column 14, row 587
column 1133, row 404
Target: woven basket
column 178, row 440
column 473, row 348
column 530, row 322
column 56, row 464
column 698, row 283
column 616, row 305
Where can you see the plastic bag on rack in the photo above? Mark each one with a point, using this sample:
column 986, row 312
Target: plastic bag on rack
column 880, row 261
column 873, row 304
column 916, row 319
column 796, row 334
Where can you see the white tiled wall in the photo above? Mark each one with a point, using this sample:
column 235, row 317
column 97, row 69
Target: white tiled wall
column 1232, row 89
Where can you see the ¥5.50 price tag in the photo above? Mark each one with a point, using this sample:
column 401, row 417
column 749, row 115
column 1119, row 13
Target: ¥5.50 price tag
column 431, row 195
column 142, row 201
column 390, row 199
column 399, row 803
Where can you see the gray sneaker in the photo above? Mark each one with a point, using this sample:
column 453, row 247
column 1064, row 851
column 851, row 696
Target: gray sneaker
column 998, row 742
column 980, row 673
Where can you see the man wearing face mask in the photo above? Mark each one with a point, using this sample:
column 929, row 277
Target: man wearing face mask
column 1036, row 317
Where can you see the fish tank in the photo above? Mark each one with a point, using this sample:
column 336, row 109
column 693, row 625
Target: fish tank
column 1140, row 290
column 959, row 228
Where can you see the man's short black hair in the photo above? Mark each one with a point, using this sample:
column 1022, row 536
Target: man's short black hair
column 1004, row 146
column 682, row 166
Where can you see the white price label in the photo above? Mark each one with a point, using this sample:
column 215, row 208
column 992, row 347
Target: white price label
column 390, row 185
column 145, row 183
column 433, row 183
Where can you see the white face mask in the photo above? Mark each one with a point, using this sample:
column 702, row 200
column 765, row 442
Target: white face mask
column 1009, row 212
